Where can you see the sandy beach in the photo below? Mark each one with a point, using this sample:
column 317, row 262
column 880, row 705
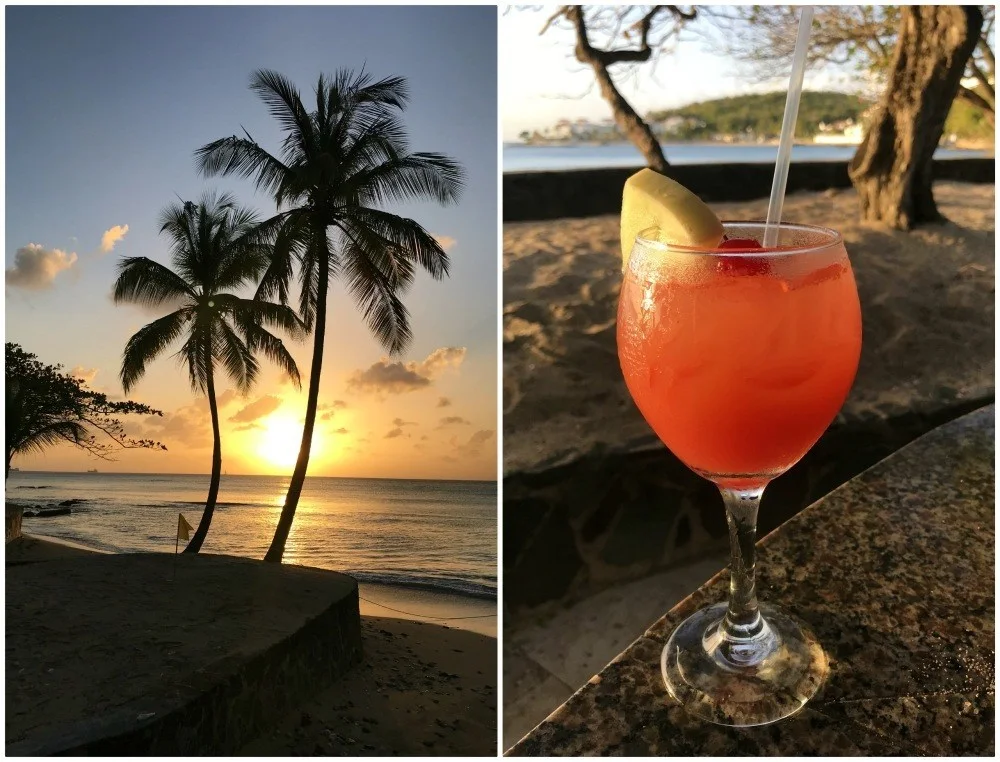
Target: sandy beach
column 927, row 300
column 421, row 689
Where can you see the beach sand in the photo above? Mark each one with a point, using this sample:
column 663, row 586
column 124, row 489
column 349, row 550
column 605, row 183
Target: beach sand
column 421, row 689
column 927, row 299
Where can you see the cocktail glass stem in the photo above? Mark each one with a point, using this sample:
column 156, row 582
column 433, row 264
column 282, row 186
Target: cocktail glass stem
column 745, row 639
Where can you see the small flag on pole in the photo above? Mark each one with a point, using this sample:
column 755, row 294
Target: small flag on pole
column 183, row 528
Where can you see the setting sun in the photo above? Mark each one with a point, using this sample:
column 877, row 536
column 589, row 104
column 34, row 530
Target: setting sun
column 278, row 443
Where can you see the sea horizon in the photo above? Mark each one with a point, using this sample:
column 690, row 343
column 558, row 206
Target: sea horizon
column 524, row 157
column 269, row 476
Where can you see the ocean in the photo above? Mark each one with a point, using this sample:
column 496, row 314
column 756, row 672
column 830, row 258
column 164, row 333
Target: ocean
column 439, row 536
column 524, row 158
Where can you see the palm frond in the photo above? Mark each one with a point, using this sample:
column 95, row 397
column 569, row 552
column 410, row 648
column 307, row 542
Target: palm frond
column 404, row 242
column 259, row 340
column 147, row 343
column 234, row 355
column 195, row 353
column 261, row 313
column 415, row 177
column 377, row 300
column 285, row 104
column 244, row 158
column 290, row 236
column 143, row 281
column 380, row 141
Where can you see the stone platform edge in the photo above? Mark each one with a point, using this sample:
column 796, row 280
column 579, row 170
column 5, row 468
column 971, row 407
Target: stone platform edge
column 550, row 195
column 241, row 706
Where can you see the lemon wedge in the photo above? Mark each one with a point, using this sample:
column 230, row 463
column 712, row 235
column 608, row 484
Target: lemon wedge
column 654, row 200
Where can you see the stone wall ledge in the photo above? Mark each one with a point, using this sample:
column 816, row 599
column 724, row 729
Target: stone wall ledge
column 590, row 192
column 613, row 517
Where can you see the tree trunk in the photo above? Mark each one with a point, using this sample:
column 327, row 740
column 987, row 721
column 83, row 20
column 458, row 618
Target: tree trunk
column 10, row 455
column 628, row 121
column 892, row 169
column 277, row 549
column 213, row 488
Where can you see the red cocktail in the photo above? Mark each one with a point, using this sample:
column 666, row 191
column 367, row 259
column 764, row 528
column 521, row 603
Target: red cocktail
column 739, row 360
column 739, row 357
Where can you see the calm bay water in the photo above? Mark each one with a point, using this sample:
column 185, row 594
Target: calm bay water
column 525, row 158
column 440, row 535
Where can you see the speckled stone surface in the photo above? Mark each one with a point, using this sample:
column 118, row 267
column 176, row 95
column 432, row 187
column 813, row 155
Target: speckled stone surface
column 894, row 572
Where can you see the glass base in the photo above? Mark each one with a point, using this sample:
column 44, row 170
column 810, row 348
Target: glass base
column 752, row 681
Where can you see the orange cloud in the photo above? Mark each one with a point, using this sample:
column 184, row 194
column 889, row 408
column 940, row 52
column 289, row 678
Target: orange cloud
column 385, row 377
column 87, row 375
column 35, row 267
column 112, row 236
column 257, row 409
column 446, row 242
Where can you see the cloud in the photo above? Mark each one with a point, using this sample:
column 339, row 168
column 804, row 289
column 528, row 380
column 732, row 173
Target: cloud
column 248, row 427
column 454, row 420
column 399, row 423
column 189, row 426
column 476, row 444
column 331, row 409
column 257, row 409
column 446, row 242
column 444, row 402
column 87, row 375
column 394, row 433
column 35, row 267
column 226, row 397
column 341, row 430
column 440, row 359
column 112, row 236
column 385, row 377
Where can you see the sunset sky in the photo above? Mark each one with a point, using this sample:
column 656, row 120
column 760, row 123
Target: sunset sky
column 105, row 107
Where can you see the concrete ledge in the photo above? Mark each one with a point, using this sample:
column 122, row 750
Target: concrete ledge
column 128, row 654
column 591, row 192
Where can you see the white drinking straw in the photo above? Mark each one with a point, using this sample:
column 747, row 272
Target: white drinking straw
column 788, row 129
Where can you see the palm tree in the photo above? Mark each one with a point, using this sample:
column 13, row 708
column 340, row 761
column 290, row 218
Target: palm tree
column 216, row 250
column 338, row 165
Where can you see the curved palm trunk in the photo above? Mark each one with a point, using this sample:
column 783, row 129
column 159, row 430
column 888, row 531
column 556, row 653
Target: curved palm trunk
column 277, row 549
column 213, row 488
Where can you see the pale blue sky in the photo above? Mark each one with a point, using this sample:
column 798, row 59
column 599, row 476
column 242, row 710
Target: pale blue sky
column 105, row 107
column 542, row 82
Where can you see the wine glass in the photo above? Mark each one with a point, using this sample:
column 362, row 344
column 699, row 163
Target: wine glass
column 739, row 358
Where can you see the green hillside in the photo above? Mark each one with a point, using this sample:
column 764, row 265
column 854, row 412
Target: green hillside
column 760, row 115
